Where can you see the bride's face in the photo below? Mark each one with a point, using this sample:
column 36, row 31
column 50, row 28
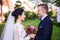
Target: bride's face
column 22, row 17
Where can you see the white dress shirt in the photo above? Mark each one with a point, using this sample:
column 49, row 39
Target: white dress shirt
column 44, row 17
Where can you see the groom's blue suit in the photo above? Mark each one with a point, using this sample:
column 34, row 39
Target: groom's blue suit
column 44, row 29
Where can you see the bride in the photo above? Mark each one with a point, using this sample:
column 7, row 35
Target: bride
column 15, row 31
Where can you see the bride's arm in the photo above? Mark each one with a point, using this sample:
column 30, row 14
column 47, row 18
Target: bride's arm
column 20, row 34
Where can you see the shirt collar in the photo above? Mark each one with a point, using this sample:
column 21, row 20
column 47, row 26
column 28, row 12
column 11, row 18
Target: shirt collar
column 44, row 17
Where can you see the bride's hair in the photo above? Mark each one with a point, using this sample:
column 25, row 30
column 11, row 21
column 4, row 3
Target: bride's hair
column 16, row 12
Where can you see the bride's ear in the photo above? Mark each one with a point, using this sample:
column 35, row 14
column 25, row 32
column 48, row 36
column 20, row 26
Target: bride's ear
column 19, row 16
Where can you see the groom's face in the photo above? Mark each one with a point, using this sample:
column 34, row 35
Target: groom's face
column 41, row 11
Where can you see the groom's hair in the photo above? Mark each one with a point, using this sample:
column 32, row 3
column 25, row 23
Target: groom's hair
column 45, row 6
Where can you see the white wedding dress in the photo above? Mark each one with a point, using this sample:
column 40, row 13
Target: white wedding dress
column 19, row 32
column 13, row 31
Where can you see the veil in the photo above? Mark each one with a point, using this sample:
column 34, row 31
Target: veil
column 7, row 33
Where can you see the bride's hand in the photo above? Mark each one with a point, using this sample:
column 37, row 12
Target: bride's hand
column 32, row 35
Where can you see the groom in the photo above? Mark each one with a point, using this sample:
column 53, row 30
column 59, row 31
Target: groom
column 45, row 27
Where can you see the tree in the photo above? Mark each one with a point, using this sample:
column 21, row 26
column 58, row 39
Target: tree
column 18, row 4
column 57, row 3
column 45, row 1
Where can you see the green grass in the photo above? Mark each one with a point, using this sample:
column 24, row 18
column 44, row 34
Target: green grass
column 56, row 33
column 56, row 29
column 31, row 23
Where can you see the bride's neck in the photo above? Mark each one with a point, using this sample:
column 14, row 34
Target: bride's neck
column 18, row 21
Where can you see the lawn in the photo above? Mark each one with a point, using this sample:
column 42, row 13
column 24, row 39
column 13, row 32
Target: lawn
column 56, row 30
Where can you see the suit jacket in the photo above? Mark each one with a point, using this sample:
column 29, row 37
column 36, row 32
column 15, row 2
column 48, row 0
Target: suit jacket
column 44, row 29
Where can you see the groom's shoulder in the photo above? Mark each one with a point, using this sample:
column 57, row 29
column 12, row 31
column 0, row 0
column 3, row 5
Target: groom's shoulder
column 48, row 19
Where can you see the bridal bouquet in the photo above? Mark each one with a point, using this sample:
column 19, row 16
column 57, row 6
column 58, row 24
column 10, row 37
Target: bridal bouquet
column 31, row 30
